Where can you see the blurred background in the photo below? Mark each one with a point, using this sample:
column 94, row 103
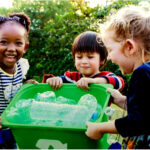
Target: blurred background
column 55, row 24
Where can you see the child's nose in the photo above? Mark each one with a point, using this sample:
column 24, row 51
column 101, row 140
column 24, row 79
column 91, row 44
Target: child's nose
column 11, row 47
column 84, row 60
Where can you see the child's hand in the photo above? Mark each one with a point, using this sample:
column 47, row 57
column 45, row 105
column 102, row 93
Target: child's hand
column 83, row 83
column 31, row 81
column 93, row 131
column 0, row 123
column 55, row 82
column 118, row 98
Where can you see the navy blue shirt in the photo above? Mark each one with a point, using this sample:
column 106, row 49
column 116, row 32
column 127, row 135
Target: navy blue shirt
column 137, row 121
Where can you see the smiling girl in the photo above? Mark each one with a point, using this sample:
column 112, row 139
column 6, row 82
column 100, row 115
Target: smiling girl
column 13, row 68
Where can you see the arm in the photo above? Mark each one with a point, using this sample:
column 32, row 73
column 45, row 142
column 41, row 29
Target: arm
column 56, row 82
column 102, row 77
column 46, row 76
column 96, row 130
column 116, row 81
column 118, row 98
column 137, row 120
column 84, row 82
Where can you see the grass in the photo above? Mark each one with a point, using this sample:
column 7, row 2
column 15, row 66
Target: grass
column 117, row 114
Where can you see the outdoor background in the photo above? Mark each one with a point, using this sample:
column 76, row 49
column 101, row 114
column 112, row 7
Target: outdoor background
column 55, row 24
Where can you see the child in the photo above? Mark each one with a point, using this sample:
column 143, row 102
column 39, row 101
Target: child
column 89, row 54
column 127, row 38
column 13, row 68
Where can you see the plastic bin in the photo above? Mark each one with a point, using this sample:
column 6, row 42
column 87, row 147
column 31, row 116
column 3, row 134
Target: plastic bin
column 51, row 137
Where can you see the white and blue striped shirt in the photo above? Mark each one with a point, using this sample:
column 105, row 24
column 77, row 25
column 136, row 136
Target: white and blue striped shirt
column 9, row 85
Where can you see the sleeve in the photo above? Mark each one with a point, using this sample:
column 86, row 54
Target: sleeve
column 68, row 77
column 116, row 81
column 24, row 66
column 137, row 120
column 46, row 76
column 71, row 77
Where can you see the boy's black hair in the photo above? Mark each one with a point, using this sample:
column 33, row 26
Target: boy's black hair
column 89, row 41
column 21, row 18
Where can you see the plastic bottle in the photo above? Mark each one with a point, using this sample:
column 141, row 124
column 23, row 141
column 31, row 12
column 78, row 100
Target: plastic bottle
column 109, row 112
column 63, row 100
column 48, row 96
column 90, row 102
column 97, row 113
column 59, row 114
column 20, row 112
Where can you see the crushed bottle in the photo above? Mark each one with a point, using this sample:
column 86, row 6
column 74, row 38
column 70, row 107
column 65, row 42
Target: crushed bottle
column 48, row 96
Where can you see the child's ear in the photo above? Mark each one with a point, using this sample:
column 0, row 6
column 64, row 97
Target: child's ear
column 130, row 46
column 102, row 62
column 26, row 47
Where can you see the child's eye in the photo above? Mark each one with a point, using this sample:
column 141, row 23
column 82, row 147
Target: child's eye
column 90, row 57
column 79, row 57
column 3, row 42
column 19, row 43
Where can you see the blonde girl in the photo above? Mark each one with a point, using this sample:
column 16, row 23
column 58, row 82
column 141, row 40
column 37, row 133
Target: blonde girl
column 127, row 39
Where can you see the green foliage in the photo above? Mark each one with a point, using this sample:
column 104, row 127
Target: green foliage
column 52, row 34
column 55, row 24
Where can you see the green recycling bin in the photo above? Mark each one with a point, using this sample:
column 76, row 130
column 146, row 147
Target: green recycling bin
column 30, row 136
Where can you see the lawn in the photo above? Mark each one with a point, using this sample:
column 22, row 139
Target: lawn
column 117, row 114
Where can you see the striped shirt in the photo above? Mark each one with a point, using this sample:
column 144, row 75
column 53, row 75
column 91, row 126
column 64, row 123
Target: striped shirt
column 9, row 85
column 73, row 77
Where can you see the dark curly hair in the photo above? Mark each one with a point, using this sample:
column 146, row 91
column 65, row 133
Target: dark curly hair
column 21, row 18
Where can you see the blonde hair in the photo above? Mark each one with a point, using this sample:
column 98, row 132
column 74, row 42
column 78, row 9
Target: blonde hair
column 131, row 22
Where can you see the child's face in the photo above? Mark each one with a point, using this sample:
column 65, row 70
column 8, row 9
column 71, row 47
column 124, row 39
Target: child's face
column 116, row 55
column 87, row 63
column 12, row 44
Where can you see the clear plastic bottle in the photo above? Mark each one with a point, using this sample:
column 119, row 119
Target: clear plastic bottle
column 97, row 113
column 48, row 96
column 20, row 112
column 63, row 100
column 90, row 102
column 59, row 114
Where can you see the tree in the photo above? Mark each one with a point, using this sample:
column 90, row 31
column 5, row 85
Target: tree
column 55, row 24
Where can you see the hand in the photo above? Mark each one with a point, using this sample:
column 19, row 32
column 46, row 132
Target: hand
column 83, row 83
column 118, row 98
column 31, row 81
column 55, row 82
column 93, row 131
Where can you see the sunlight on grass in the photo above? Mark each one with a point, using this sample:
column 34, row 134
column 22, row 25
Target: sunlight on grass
column 118, row 114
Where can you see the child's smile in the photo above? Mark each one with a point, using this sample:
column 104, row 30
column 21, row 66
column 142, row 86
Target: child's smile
column 12, row 44
column 84, row 67
column 10, row 57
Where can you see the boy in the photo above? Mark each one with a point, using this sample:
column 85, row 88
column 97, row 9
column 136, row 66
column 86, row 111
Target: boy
column 89, row 54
